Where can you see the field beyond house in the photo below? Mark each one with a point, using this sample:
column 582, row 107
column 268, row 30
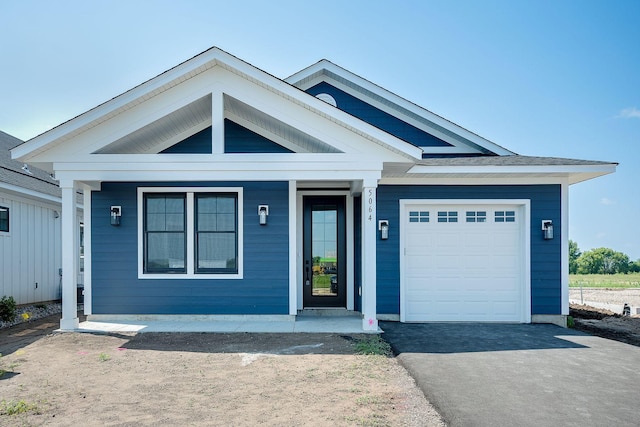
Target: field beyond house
column 622, row 281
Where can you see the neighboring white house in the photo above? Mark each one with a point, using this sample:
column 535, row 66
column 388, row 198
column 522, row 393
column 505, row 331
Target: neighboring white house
column 30, row 239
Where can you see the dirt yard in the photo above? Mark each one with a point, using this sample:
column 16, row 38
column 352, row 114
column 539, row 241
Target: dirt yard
column 202, row 379
column 597, row 316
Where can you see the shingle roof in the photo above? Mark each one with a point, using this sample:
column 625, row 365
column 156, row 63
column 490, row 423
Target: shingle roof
column 11, row 171
column 514, row 160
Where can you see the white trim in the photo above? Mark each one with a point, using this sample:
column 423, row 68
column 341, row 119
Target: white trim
column 564, row 248
column 217, row 122
column 349, row 240
column 502, row 180
column 294, row 254
column 190, row 235
column 369, row 237
column 69, row 230
column 525, row 205
column 88, row 302
column 486, row 169
column 32, row 194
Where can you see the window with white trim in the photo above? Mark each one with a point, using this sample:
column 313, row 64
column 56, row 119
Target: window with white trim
column 4, row 219
column 190, row 232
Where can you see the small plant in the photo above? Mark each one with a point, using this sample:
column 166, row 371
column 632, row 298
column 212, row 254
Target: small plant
column 41, row 306
column 12, row 407
column 373, row 345
column 7, row 309
column 570, row 323
column 103, row 357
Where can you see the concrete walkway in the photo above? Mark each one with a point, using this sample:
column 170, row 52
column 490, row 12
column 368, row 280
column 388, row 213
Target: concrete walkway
column 311, row 324
column 520, row 375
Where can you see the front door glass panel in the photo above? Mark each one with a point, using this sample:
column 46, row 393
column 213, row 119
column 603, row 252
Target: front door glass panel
column 324, row 249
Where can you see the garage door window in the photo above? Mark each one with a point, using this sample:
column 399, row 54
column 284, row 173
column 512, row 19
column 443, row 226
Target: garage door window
column 418, row 216
column 476, row 216
column 447, row 216
column 505, row 216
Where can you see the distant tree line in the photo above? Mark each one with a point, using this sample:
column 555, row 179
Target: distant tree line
column 599, row 261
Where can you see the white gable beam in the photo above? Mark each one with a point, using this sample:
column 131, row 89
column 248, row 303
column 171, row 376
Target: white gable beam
column 217, row 122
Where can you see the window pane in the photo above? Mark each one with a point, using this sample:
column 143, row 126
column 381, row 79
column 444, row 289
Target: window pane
column 4, row 219
column 165, row 212
column 165, row 251
column 216, row 251
column 216, row 213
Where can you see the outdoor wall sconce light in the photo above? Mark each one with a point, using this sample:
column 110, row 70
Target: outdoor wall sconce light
column 263, row 213
column 547, row 229
column 116, row 214
column 383, row 226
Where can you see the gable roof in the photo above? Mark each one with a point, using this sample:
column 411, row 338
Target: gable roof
column 15, row 176
column 131, row 129
column 462, row 140
column 187, row 72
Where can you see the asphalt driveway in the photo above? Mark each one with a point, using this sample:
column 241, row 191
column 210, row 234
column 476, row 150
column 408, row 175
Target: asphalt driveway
column 520, row 375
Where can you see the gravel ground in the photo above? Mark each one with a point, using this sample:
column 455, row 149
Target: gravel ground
column 33, row 312
column 610, row 299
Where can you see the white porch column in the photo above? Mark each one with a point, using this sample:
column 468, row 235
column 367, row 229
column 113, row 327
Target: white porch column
column 69, row 319
column 86, row 205
column 369, row 243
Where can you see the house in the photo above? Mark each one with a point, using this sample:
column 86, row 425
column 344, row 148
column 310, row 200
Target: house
column 216, row 189
column 30, row 241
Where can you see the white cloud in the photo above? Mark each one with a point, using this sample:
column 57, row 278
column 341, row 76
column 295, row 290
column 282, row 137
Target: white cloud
column 607, row 202
column 630, row 113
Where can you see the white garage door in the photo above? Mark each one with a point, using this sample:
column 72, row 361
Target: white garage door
column 463, row 263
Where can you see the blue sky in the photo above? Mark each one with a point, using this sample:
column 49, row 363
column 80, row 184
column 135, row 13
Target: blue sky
column 544, row 78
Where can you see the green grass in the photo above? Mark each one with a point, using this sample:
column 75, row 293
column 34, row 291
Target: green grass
column 373, row 345
column 12, row 407
column 631, row 280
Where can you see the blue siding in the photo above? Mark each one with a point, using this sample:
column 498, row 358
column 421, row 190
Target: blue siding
column 263, row 290
column 545, row 254
column 200, row 143
column 378, row 118
column 238, row 139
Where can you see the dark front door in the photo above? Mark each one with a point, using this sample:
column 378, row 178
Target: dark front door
column 324, row 240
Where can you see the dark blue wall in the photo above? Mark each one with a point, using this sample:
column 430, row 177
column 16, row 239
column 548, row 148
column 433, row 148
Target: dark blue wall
column 237, row 139
column 200, row 143
column 378, row 118
column 264, row 289
column 545, row 254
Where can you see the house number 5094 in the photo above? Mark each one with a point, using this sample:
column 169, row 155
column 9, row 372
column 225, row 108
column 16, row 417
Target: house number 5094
column 370, row 203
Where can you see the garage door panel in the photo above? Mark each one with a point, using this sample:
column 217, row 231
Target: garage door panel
column 469, row 270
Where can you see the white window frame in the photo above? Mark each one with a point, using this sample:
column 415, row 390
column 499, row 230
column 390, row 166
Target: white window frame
column 190, row 232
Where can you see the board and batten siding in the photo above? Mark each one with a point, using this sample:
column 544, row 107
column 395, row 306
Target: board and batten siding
column 30, row 254
column 264, row 288
column 545, row 254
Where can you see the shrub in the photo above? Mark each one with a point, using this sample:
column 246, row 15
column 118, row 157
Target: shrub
column 7, row 309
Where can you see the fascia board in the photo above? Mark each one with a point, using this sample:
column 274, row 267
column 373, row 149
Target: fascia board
column 408, row 105
column 573, row 173
column 605, row 169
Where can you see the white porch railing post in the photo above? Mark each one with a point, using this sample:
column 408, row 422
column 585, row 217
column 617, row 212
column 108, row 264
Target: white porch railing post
column 369, row 242
column 69, row 319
